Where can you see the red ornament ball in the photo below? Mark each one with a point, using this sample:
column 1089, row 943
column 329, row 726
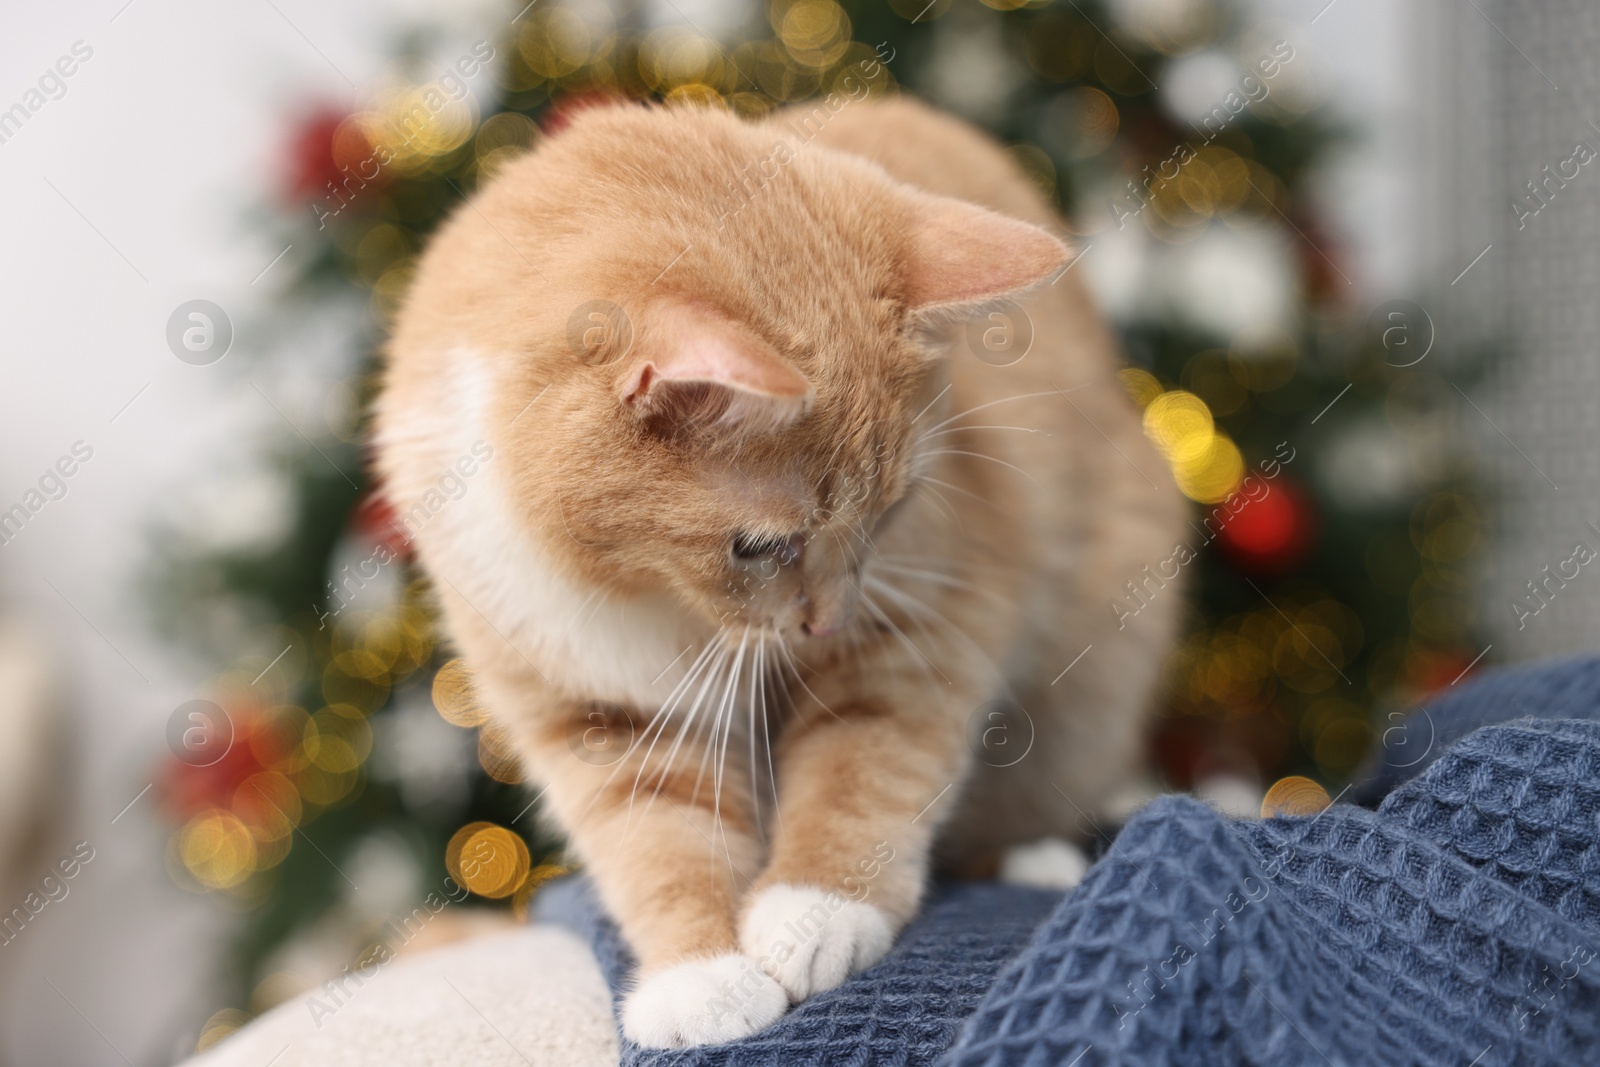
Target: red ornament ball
column 559, row 115
column 329, row 157
column 311, row 164
column 1271, row 533
column 375, row 522
column 192, row 782
column 1430, row 670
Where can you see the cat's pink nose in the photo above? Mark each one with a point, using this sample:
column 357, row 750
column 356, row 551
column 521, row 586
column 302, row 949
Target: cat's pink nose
column 825, row 619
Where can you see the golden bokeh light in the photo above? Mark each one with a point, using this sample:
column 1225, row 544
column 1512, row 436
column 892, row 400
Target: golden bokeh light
column 1114, row 69
column 217, row 849
column 1214, row 182
column 383, row 638
column 1172, row 28
column 1037, row 165
column 497, row 756
column 220, row 1025
column 380, row 247
column 280, row 665
column 555, row 42
column 363, row 664
column 674, row 56
column 344, row 738
column 695, row 94
column 414, row 125
column 815, row 32
column 278, row 738
column 353, row 678
column 1093, row 118
column 454, row 698
column 1206, row 464
column 1140, row 385
column 1294, row 795
column 501, row 139
column 452, row 848
column 274, row 989
column 1180, row 424
column 416, row 635
column 325, row 788
column 268, row 805
column 779, row 76
column 860, row 69
column 1213, row 476
column 489, row 860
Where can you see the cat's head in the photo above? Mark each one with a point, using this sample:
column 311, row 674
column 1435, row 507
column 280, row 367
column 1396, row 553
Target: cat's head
column 709, row 350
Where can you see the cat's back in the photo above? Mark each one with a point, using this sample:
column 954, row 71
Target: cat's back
column 934, row 151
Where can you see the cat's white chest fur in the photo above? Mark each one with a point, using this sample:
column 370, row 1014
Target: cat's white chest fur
column 631, row 651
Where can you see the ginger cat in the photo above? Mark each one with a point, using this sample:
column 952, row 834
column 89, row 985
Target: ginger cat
column 762, row 538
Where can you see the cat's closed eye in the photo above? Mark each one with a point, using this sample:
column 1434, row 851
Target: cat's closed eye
column 751, row 546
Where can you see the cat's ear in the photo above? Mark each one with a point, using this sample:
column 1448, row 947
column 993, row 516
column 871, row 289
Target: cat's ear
column 693, row 365
column 960, row 255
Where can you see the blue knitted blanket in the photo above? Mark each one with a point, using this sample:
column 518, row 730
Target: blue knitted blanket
column 1458, row 923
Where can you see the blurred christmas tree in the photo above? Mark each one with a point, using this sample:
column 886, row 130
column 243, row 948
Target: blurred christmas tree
column 1333, row 524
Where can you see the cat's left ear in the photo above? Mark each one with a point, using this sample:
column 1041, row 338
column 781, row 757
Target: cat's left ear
column 694, row 365
column 959, row 256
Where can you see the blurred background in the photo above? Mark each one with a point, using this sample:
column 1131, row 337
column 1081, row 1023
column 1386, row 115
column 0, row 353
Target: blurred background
column 1350, row 246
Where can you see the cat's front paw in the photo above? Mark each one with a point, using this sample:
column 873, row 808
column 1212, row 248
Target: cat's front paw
column 812, row 939
column 702, row 1002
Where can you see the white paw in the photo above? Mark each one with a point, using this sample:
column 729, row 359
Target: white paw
column 812, row 939
column 702, row 1002
column 1049, row 863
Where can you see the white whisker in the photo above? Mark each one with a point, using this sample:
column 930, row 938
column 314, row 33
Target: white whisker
column 723, row 722
column 925, row 485
column 915, row 606
column 979, row 497
column 980, row 455
column 766, row 732
column 885, row 587
column 793, row 665
column 725, row 714
column 910, row 644
column 651, row 732
column 889, row 563
column 982, row 426
column 990, row 404
column 691, row 719
column 755, row 678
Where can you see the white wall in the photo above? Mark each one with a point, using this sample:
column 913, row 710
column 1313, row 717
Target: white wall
column 164, row 139
column 1374, row 74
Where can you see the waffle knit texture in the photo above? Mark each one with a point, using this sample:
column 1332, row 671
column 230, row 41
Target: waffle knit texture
column 1457, row 923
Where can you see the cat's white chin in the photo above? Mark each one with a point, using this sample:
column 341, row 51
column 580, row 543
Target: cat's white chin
column 702, row 1002
column 812, row 939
